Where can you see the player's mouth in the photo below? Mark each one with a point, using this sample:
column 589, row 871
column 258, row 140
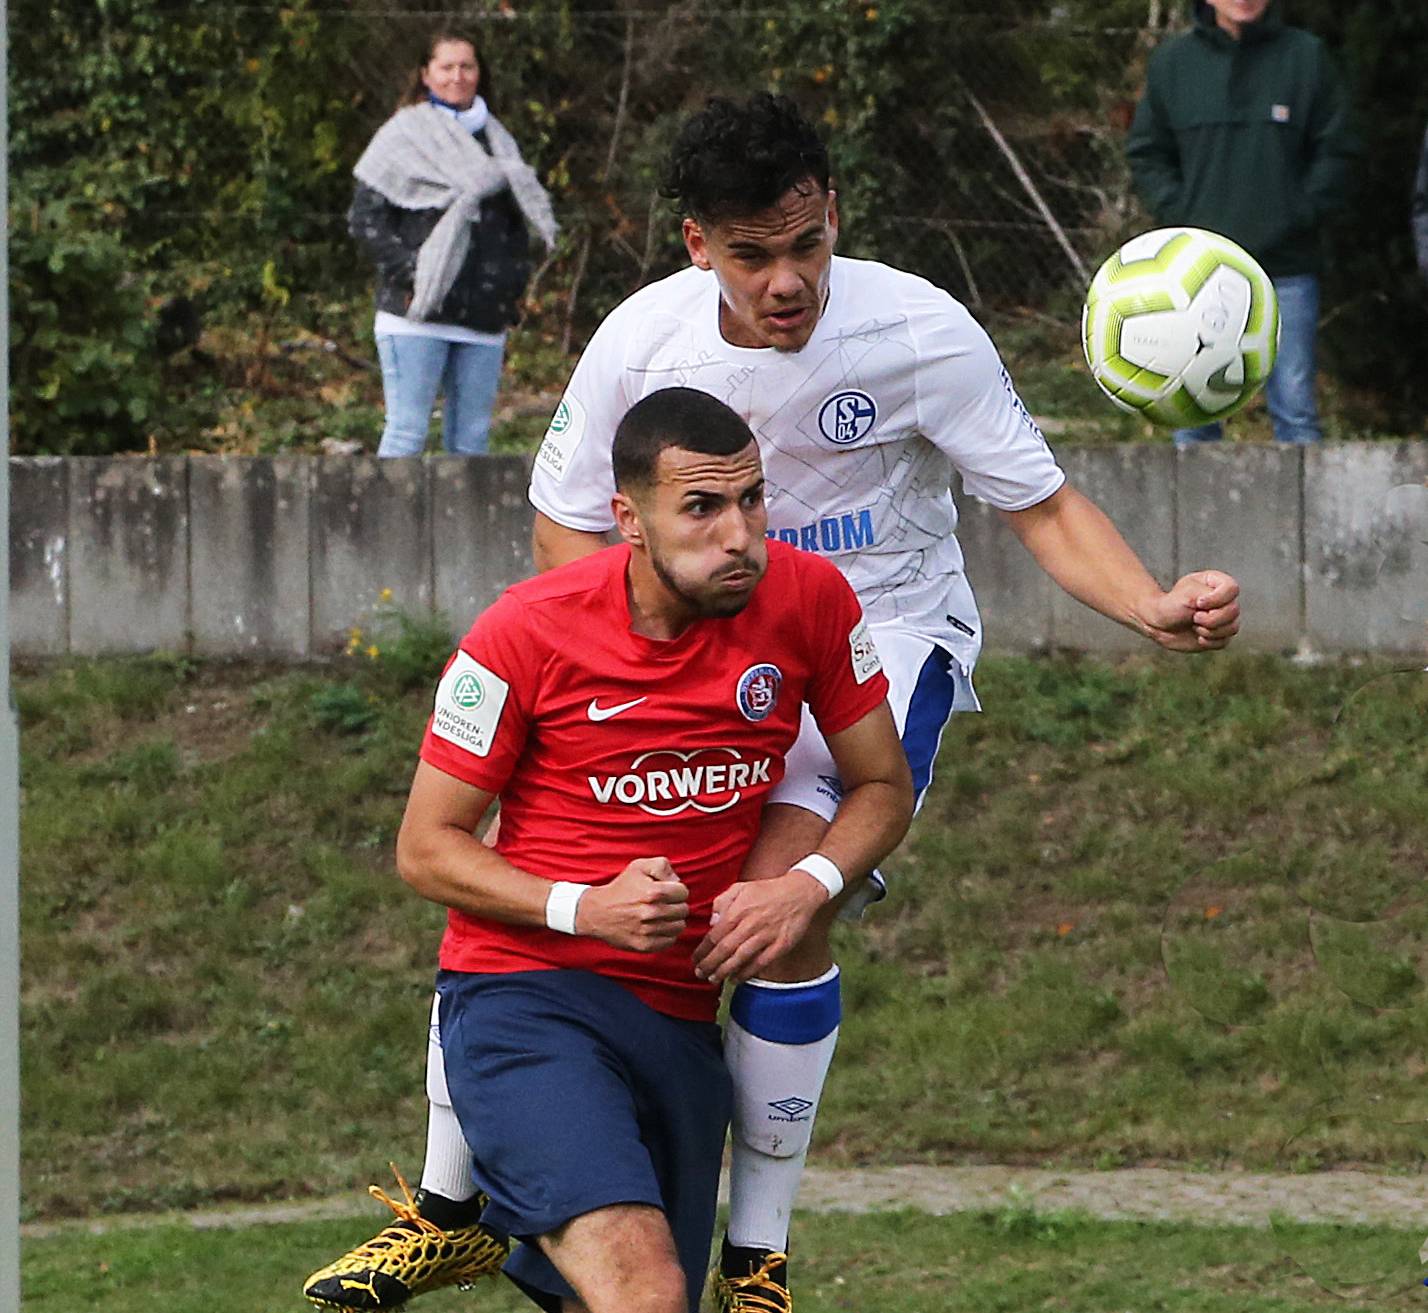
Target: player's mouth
column 791, row 318
column 739, row 579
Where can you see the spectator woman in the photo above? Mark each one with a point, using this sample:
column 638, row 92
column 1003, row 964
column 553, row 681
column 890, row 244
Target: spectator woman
column 442, row 205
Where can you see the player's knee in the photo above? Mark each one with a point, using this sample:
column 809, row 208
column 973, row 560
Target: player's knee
column 668, row 1292
column 657, row 1285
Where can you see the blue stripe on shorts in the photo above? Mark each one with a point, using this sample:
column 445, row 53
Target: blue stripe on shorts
column 927, row 712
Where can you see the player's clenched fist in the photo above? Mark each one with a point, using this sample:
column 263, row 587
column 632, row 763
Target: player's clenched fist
column 644, row 908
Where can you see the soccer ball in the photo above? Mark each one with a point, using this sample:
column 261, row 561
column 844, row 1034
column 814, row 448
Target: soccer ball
column 1181, row 326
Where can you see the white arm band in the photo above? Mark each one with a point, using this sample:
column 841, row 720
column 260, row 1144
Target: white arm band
column 560, row 904
column 824, row 870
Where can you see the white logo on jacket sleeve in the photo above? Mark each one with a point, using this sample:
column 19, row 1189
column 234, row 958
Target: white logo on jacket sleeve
column 562, row 438
column 469, row 701
column 866, row 662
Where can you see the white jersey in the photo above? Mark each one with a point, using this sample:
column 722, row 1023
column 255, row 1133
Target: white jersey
column 860, row 431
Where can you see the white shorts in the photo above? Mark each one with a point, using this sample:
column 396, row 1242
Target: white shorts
column 926, row 685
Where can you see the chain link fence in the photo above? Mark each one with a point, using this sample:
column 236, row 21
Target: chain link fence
column 986, row 155
column 179, row 245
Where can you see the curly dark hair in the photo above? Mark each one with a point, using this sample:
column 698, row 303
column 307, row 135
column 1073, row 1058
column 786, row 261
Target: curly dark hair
column 735, row 159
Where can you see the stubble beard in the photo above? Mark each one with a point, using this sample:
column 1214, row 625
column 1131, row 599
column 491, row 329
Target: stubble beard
column 705, row 606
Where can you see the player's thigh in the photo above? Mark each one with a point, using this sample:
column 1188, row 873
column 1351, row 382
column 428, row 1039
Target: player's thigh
column 926, row 685
column 786, row 833
column 520, row 1052
column 575, row 1096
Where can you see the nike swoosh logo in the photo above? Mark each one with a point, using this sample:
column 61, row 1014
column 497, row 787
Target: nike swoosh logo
column 597, row 713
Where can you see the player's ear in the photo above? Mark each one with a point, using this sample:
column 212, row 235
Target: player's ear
column 833, row 214
column 695, row 244
column 627, row 519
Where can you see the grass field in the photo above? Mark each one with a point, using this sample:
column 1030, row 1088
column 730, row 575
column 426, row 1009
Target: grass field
column 1011, row 1261
column 1163, row 910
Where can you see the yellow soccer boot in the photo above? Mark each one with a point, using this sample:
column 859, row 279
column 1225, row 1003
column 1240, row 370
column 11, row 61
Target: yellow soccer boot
column 409, row 1257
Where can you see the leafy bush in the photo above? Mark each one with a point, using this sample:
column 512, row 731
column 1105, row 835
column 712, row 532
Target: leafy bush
column 84, row 363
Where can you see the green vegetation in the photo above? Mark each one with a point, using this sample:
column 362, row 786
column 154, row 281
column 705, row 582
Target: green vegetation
column 1163, row 910
column 182, row 279
column 1008, row 1261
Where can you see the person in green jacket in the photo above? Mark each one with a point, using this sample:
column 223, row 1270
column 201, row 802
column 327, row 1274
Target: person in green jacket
column 1244, row 129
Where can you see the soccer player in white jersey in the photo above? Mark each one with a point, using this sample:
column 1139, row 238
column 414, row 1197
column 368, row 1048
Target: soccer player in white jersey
column 866, row 387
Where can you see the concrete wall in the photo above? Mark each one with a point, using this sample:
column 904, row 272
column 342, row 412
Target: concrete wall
column 282, row 556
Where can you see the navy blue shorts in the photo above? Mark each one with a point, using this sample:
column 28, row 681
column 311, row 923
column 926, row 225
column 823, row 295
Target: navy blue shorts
column 575, row 1095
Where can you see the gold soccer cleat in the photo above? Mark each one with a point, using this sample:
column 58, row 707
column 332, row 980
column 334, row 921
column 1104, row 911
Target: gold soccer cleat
column 409, row 1257
column 764, row 1290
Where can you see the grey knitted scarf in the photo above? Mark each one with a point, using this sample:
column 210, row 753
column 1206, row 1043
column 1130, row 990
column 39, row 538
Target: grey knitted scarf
column 422, row 159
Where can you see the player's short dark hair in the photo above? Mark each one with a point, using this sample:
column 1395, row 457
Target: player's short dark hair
column 736, row 158
column 673, row 417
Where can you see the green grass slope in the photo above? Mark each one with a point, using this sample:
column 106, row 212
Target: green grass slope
column 1162, row 910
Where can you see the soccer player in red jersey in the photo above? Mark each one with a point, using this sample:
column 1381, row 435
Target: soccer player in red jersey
column 632, row 711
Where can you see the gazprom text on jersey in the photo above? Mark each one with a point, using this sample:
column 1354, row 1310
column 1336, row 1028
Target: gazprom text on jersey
column 833, row 533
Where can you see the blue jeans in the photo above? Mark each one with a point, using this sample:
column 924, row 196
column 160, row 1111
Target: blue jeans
column 1289, row 390
column 413, row 369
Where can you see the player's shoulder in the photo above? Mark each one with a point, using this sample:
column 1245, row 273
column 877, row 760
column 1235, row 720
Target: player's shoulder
column 925, row 305
column 865, row 278
column 673, row 294
column 642, row 324
column 569, row 584
column 794, row 573
column 548, row 607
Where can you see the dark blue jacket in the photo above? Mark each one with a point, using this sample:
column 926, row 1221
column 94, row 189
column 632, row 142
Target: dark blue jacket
column 486, row 295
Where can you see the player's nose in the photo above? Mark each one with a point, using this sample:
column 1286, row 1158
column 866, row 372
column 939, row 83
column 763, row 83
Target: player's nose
column 784, row 281
column 735, row 533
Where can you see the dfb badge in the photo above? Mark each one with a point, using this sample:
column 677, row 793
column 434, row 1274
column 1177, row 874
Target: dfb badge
column 757, row 693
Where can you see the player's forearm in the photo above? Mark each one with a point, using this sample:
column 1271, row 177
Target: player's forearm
column 870, row 822
column 446, row 865
column 1074, row 541
column 553, row 544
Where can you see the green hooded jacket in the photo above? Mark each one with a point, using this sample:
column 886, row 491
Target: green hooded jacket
column 1249, row 138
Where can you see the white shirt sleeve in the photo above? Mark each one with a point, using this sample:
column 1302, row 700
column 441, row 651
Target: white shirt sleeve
column 968, row 407
column 571, row 479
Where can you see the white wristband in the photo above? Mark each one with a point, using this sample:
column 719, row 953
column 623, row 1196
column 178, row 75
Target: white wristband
column 824, row 870
column 560, row 904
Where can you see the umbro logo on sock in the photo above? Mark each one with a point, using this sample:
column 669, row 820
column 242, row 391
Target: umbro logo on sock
column 793, row 1109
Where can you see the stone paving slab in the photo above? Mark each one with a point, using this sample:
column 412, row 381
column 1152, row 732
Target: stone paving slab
column 1141, row 1193
column 1134, row 1194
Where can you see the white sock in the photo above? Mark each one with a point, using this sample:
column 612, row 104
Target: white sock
column 447, row 1169
column 778, row 1045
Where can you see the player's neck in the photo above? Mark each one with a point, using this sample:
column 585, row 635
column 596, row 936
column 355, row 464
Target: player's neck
column 654, row 611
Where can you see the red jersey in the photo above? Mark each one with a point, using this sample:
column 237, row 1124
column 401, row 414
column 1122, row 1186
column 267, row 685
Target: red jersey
column 606, row 746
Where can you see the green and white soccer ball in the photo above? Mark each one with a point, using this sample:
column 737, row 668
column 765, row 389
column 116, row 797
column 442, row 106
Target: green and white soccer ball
column 1181, row 326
